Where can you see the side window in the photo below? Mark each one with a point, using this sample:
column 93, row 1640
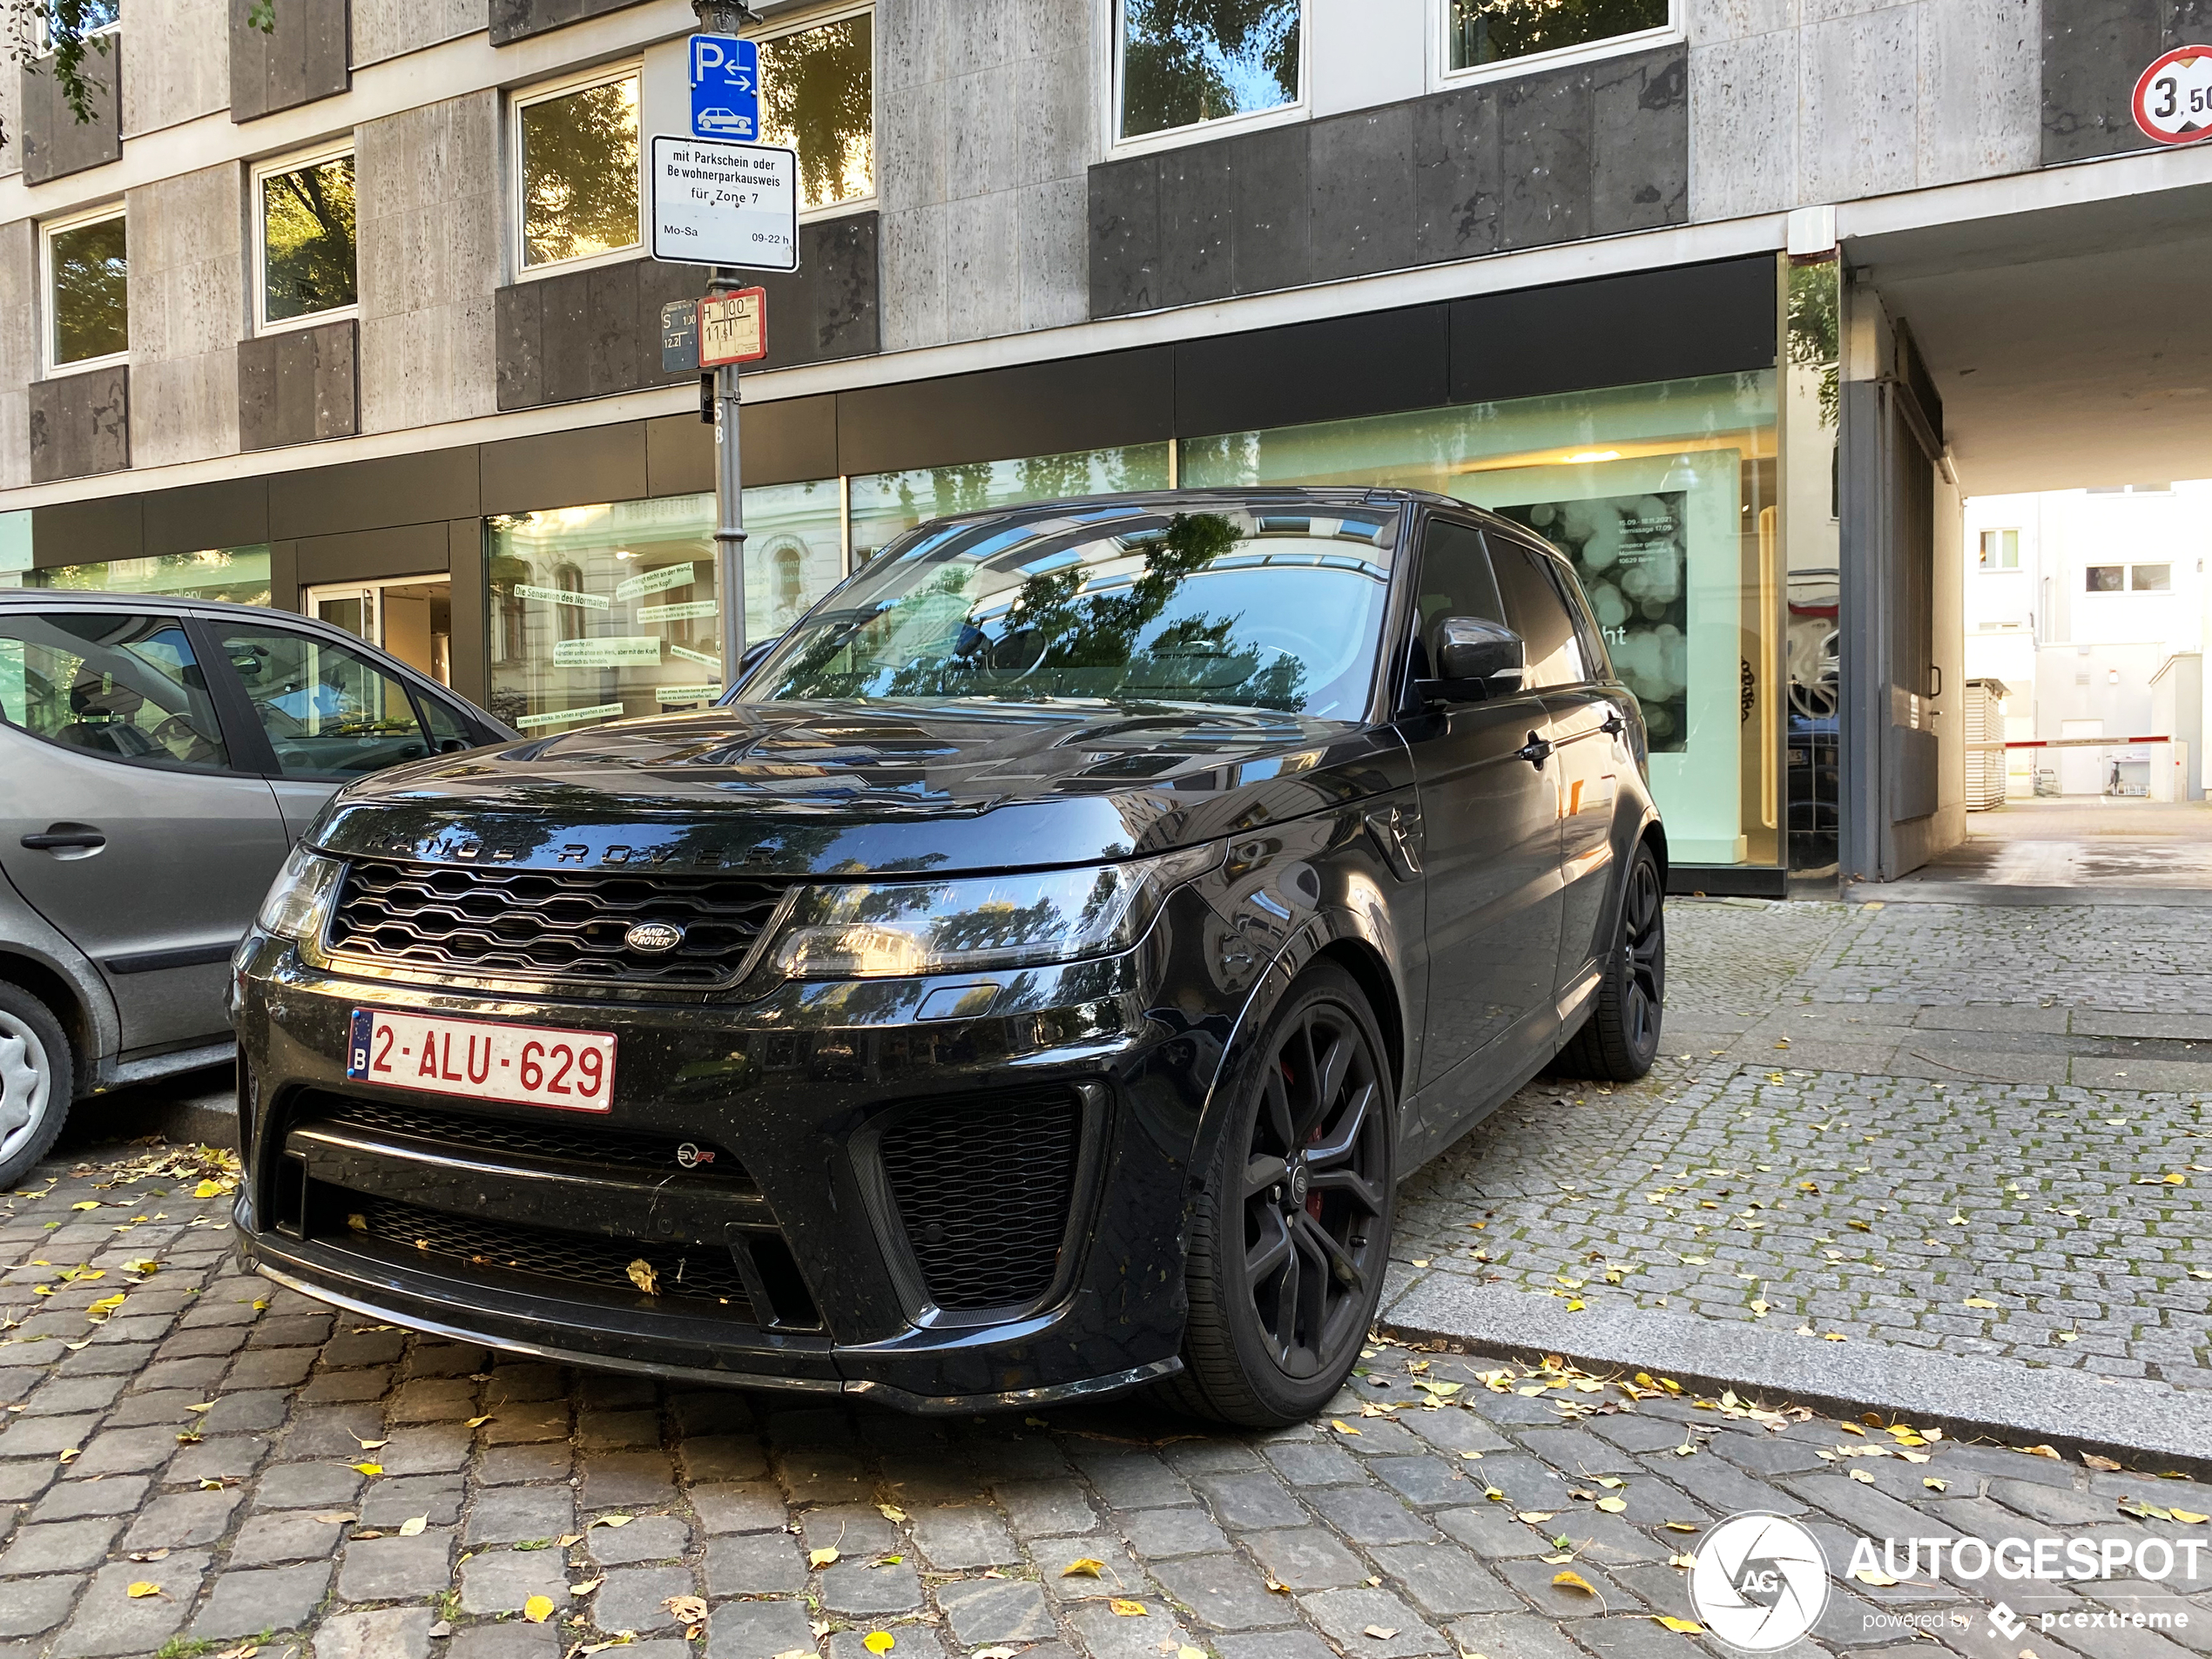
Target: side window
column 1589, row 638
column 329, row 711
column 1455, row 582
column 447, row 727
column 1537, row 612
column 121, row 686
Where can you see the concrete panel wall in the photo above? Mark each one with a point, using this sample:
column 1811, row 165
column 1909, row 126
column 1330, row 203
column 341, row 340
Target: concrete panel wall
column 187, row 312
column 11, row 120
column 987, row 117
column 1359, row 53
column 386, row 28
column 1797, row 103
column 180, row 65
column 18, row 346
column 427, row 201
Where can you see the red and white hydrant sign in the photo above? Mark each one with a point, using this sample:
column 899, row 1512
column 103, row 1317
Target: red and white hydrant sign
column 2173, row 97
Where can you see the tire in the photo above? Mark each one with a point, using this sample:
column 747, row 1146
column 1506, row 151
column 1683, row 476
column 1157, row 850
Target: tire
column 1620, row 1039
column 37, row 1079
column 1272, row 1336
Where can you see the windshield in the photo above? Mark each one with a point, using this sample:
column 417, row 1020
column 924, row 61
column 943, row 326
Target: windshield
column 1254, row 607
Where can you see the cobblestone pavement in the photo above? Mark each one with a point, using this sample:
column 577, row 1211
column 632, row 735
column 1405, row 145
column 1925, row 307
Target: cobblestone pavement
column 194, row 1460
column 1980, row 1131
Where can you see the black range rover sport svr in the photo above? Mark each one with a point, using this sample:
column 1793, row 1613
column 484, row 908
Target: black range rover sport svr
column 1033, row 983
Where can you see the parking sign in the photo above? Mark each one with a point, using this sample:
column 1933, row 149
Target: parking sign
column 725, row 88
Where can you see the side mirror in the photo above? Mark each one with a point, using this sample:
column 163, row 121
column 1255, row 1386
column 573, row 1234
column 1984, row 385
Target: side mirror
column 1476, row 658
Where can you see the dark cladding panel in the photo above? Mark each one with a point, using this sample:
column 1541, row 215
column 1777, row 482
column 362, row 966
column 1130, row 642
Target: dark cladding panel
column 1197, row 207
column 80, row 424
column 85, row 532
column 1544, row 158
column 1035, row 409
column 596, row 332
column 1273, row 230
column 1370, row 364
column 787, row 442
column 2093, row 52
column 55, row 142
column 578, row 468
column 512, row 20
column 1639, row 142
column 364, row 555
column 1457, row 185
column 1624, row 330
column 232, row 512
column 369, row 494
column 305, row 57
column 1125, row 236
column 1362, row 172
column 299, row 387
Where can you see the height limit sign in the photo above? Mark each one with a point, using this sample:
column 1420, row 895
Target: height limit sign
column 725, row 203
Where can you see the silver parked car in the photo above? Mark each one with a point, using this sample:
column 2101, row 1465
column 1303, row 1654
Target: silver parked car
column 157, row 759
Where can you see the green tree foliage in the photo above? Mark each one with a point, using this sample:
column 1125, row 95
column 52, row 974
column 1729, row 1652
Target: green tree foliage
column 1486, row 31
column 308, row 225
column 67, row 30
column 580, row 172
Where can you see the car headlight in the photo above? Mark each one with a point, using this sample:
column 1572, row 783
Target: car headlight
column 299, row 900
column 901, row 930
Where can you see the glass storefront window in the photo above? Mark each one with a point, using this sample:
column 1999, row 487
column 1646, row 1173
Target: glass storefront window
column 237, row 573
column 597, row 613
column 886, row 505
column 1662, row 496
column 818, row 96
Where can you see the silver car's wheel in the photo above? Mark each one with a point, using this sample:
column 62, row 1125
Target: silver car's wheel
column 34, row 1082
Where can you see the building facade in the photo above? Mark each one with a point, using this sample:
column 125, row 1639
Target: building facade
column 352, row 317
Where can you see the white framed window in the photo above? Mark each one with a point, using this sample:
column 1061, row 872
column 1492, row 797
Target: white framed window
column 818, row 96
column 577, row 177
column 2150, row 579
column 2001, row 550
column 305, row 269
column 84, row 271
column 1477, row 40
column 1182, row 72
column 99, row 18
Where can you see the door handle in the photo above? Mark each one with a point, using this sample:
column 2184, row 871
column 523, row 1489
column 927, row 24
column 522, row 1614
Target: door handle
column 1613, row 724
column 58, row 838
column 1535, row 751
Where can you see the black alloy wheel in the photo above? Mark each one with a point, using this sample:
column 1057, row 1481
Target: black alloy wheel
column 1620, row 1039
column 1293, row 1231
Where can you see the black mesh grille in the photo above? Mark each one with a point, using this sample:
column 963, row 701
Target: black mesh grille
column 567, row 1143
column 546, row 924
column 570, row 1261
column 983, row 1185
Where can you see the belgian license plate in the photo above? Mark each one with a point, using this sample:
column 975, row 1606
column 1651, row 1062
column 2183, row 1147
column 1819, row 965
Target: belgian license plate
column 535, row 1065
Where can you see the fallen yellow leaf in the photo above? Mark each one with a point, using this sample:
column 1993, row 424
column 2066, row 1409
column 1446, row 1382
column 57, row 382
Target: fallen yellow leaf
column 92, row 1203
column 368, row 1468
column 144, row 1587
column 691, row 1609
column 878, row 1642
column 1341, row 1426
column 2189, row 1517
column 586, row 1586
column 1681, row 1627
column 1082, row 1567
column 413, row 1526
column 891, row 1512
column 820, row 1557
column 476, row 1422
column 1980, row 1302
column 1875, row 1576
column 642, row 1275
column 1573, row 1581
column 538, row 1609
column 1127, row 1609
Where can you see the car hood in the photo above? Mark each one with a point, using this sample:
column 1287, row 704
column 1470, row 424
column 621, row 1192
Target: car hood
column 860, row 787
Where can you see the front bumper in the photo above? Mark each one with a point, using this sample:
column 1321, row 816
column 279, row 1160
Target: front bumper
column 826, row 1288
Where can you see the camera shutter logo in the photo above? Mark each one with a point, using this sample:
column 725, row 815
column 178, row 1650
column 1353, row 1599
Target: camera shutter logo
column 1760, row 1583
column 654, row 936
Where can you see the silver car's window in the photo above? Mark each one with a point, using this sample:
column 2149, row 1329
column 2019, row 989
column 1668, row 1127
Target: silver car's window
column 118, row 686
column 329, row 713
column 1252, row 608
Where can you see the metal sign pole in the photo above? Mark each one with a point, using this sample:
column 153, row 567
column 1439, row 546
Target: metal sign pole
column 729, row 501
column 727, row 16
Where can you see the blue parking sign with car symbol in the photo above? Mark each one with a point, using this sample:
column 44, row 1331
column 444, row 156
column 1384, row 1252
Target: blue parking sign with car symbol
column 725, row 88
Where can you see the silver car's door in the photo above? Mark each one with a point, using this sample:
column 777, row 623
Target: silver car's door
column 122, row 820
column 331, row 714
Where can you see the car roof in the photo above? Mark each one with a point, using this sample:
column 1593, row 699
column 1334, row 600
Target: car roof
column 1259, row 495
